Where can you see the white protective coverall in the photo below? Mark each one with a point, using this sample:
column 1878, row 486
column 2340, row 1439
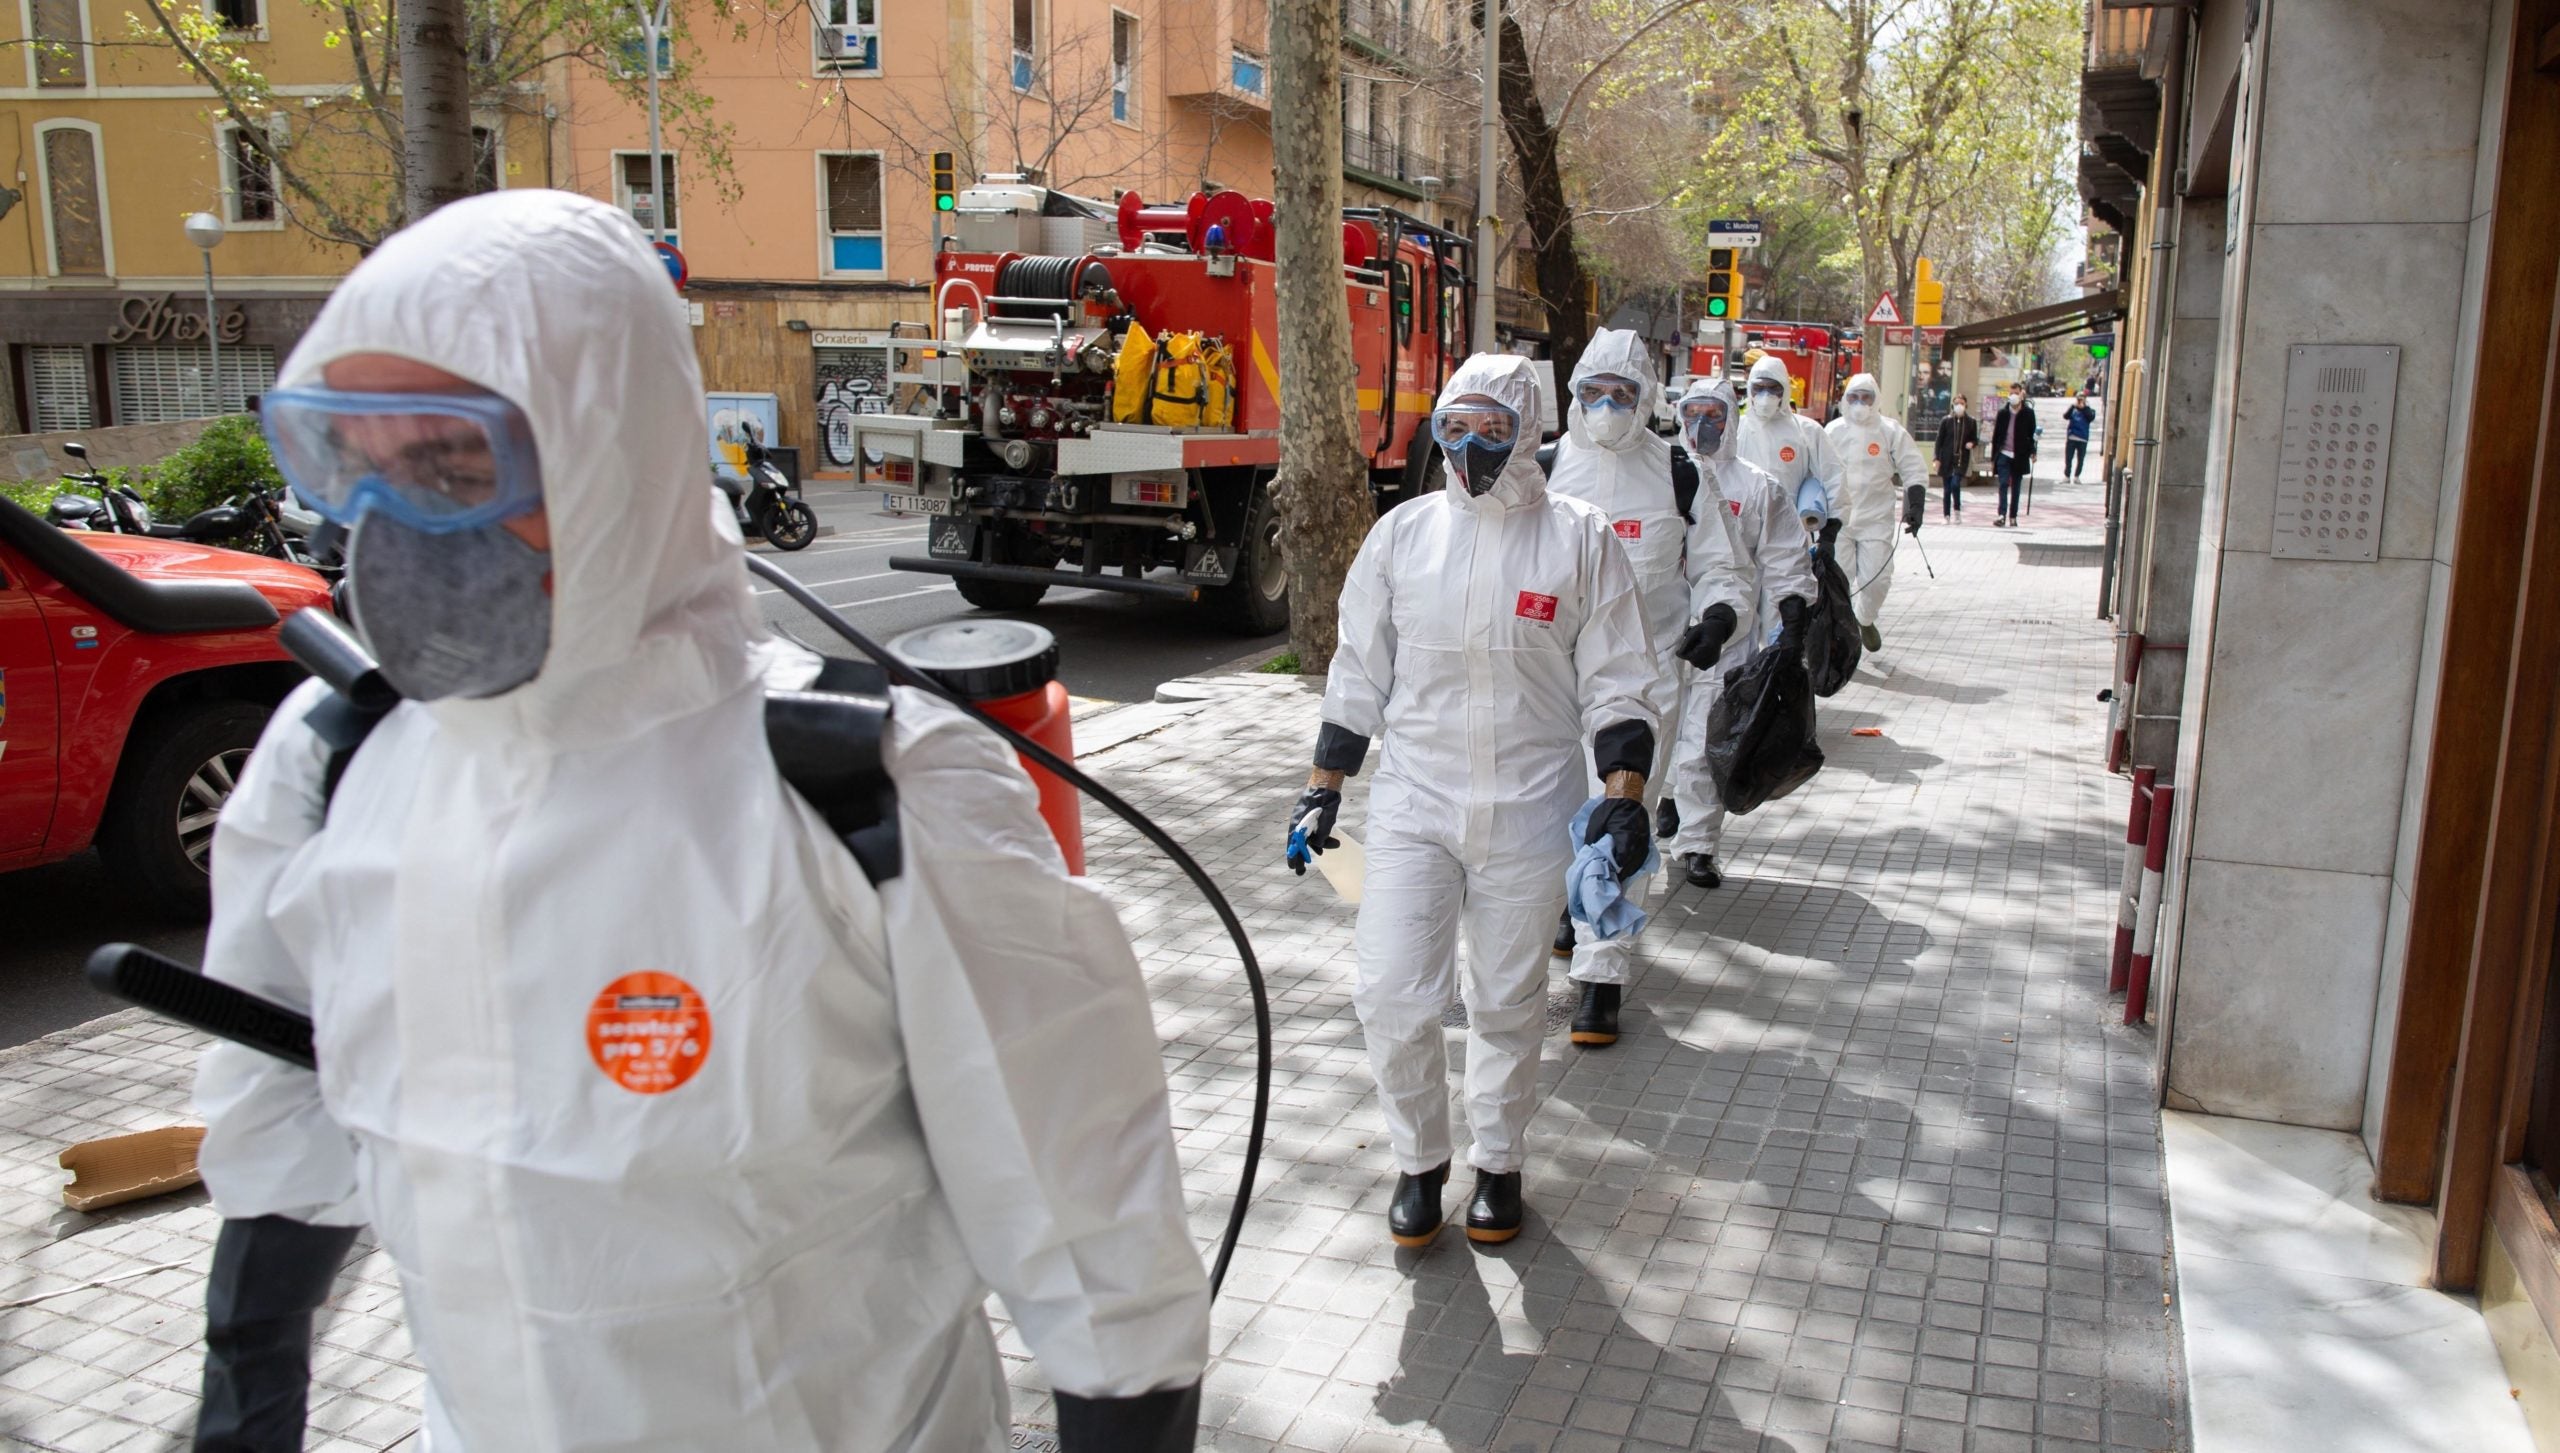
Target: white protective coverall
column 1790, row 448
column 1486, row 638
column 1877, row 462
column 907, row 1096
column 1768, row 538
column 1680, row 569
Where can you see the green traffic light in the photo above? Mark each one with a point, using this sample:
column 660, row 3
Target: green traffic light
column 1718, row 307
column 2101, row 350
column 942, row 202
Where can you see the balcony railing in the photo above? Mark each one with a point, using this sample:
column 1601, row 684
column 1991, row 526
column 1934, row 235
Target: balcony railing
column 1382, row 26
column 2117, row 38
column 1384, row 156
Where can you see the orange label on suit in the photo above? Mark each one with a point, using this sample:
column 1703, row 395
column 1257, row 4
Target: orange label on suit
column 1787, row 455
column 649, row 1032
column 1873, row 449
column 1628, row 529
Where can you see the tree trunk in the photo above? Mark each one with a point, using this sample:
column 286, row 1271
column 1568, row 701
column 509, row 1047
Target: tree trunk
column 1562, row 283
column 435, row 102
column 1323, row 486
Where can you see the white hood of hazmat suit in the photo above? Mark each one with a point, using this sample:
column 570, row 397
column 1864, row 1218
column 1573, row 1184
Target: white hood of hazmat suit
column 1768, row 543
column 1485, row 639
column 1791, row 448
column 884, row 1102
column 1878, row 461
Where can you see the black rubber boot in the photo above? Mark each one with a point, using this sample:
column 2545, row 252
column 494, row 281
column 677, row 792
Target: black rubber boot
column 1700, row 870
column 1564, row 936
column 1495, row 1213
column 1596, row 1022
column 1414, row 1216
column 1871, row 638
column 1666, row 821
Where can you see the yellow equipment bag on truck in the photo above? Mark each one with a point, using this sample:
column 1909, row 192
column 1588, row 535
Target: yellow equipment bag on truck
column 1180, row 381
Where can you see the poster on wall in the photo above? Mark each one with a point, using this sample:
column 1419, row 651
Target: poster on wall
column 852, row 378
column 735, row 419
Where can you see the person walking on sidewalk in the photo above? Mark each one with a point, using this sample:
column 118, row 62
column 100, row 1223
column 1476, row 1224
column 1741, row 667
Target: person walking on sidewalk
column 2013, row 452
column 2075, row 444
column 1624, row 470
column 1957, row 434
column 1878, row 462
column 1767, row 543
column 1494, row 632
column 681, row 1132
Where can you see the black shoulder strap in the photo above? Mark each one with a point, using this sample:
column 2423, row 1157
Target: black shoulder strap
column 1684, row 484
column 827, row 740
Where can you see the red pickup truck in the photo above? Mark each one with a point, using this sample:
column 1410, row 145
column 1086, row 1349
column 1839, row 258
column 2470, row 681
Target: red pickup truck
column 135, row 674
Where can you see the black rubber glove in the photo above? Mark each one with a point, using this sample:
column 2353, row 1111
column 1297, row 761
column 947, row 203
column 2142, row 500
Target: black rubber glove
column 1324, row 802
column 1623, row 819
column 1791, row 624
column 1702, row 643
column 270, row 1275
column 1151, row 1422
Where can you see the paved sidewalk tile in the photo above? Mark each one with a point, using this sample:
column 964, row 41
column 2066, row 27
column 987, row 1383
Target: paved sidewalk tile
column 1871, row 1168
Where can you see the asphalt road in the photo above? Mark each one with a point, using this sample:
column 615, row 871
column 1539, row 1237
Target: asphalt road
column 1111, row 648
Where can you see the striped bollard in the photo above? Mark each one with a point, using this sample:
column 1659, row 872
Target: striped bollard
column 2146, row 916
column 2137, row 835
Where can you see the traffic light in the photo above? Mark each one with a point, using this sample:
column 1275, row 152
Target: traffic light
column 1724, row 283
column 1928, row 298
column 942, row 182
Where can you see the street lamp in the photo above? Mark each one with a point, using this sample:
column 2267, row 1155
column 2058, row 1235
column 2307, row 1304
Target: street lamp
column 204, row 229
column 653, row 28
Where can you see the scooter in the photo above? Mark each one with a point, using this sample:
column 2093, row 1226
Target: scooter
column 768, row 503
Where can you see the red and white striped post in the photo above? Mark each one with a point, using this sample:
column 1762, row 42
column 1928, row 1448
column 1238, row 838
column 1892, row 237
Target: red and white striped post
column 2120, row 702
column 2137, row 836
column 2146, row 915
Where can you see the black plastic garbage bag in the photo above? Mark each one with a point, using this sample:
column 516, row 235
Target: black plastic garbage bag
column 1760, row 743
column 1831, row 643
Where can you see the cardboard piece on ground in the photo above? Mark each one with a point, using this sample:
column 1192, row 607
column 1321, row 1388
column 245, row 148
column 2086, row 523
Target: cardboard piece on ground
column 125, row 1168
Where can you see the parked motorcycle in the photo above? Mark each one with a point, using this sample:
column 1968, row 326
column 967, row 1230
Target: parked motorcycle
column 119, row 509
column 768, row 503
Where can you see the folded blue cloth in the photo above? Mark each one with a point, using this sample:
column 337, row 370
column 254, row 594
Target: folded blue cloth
column 1592, row 893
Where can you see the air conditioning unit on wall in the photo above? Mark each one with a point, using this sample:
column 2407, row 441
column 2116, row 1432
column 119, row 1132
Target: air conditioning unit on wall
column 850, row 47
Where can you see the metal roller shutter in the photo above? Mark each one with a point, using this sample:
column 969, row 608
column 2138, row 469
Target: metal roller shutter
column 58, row 388
column 160, row 385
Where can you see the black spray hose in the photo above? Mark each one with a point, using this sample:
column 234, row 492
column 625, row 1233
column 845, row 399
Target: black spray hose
column 906, row 675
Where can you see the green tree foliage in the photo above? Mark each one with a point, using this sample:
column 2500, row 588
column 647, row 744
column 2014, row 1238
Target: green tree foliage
column 341, row 162
column 1939, row 128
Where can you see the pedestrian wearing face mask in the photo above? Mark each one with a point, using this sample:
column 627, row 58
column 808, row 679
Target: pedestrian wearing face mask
column 2013, row 452
column 1494, row 632
column 684, row 1127
column 2075, row 445
column 1788, row 446
column 1957, row 434
column 1878, row 462
column 1623, row 469
column 1764, row 536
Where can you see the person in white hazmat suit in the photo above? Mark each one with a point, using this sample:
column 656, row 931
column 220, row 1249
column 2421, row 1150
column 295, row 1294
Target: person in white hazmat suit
column 1491, row 631
column 1789, row 447
column 1878, row 462
column 1767, row 537
column 681, row 1134
column 1611, row 460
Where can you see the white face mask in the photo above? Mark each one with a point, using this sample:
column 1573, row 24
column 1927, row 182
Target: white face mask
column 1959, row 409
column 1858, row 411
column 1768, row 408
column 1608, row 428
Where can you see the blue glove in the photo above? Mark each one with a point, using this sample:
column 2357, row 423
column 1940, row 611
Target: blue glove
column 1311, row 826
column 1595, row 892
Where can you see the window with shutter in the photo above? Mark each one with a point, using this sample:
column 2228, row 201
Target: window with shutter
column 157, row 385
column 72, row 203
column 636, row 197
column 855, row 239
column 62, row 48
column 251, row 178
column 58, row 388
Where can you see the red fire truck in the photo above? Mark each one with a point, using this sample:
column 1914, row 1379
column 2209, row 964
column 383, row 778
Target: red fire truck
column 1009, row 438
column 1819, row 358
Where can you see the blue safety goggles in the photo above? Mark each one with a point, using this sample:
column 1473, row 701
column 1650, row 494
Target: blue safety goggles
column 1474, row 426
column 1607, row 391
column 440, row 463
